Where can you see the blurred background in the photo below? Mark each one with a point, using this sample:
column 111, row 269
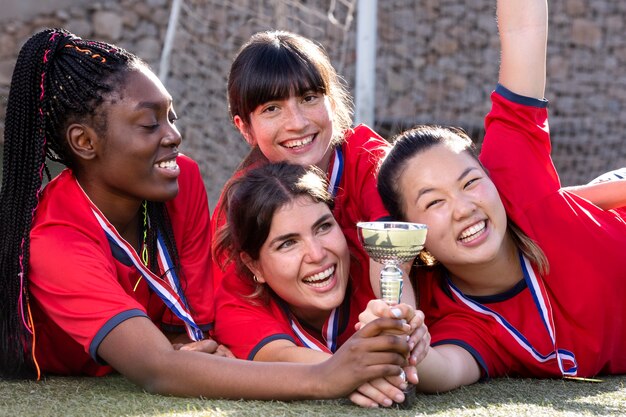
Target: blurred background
column 436, row 61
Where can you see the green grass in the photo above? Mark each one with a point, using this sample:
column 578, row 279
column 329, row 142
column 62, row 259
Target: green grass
column 115, row 396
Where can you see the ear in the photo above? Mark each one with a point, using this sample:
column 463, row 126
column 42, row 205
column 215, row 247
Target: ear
column 82, row 140
column 253, row 266
column 244, row 130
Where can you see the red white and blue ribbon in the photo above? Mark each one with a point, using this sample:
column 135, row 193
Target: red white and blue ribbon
column 330, row 332
column 542, row 303
column 168, row 289
column 336, row 172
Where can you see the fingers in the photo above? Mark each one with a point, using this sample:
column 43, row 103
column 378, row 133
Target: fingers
column 224, row 352
column 362, row 400
column 382, row 325
column 420, row 344
column 382, row 392
column 411, row 374
column 378, row 308
column 375, row 309
column 417, row 318
column 398, row 382
column 205, row 345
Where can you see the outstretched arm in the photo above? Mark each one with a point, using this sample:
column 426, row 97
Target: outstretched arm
column 523, row 28
column 608, row 191
column 137, row 349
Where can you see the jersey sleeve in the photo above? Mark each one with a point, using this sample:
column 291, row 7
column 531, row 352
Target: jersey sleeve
column 516, row 152
column 75, row 283
column 246, row 325
column 190, row 219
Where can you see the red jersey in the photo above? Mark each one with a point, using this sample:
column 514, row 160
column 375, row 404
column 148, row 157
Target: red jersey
column 80, row 290
column 582, row 318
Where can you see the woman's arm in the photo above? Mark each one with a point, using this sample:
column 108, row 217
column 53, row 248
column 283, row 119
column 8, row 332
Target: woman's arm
column 446, row 367
column 371, row 394
column 138, row 350
column 523, row 28
column 606, row 195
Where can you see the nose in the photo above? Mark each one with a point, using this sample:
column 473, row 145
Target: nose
column 315, row 251
column 464, row 206
column 296, row 118
column 172, row 137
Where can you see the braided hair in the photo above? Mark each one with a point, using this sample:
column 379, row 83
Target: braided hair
column 58, row 79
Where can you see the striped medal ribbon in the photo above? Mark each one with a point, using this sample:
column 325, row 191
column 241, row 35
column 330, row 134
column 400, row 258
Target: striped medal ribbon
column 542, row 303
column 336, row 172
column 168, row 289
column 330, row 330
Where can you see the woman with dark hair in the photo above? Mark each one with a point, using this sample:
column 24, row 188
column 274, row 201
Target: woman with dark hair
column 107, row 266
column 289, row 104
column 529, row 279
column 300, row 296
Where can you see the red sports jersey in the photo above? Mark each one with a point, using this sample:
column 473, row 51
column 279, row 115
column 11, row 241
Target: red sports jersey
column 355, row 165
column 80, row 291
column 245, row 326
column 583, row 293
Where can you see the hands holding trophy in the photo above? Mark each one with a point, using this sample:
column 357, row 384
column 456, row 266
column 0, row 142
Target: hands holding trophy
column 391, row 244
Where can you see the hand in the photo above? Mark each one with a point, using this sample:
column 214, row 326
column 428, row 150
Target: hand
column 371, row 353
column 206, row 346
column 419, row 340
column 380, row 391
column 378, row 308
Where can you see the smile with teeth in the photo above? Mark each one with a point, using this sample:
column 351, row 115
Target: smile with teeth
column 171, row 164
column 319, row 279
column 297, row 143
column 472, row 232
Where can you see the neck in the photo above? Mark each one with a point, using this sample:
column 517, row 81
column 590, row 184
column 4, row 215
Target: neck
column 324, row 164
column 489, row 278
column 315, row 319
column 122, row 213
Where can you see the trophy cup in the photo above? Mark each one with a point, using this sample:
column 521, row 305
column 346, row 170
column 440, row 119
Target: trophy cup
column 391, row 244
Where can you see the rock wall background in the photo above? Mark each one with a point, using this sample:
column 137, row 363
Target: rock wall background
column 437, row 62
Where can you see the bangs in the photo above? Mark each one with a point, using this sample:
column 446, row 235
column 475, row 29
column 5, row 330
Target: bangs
column 278, row 74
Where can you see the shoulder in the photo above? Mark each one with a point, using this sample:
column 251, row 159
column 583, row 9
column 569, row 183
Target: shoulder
column 363, row 136
column 363, row 146
column 63, row 202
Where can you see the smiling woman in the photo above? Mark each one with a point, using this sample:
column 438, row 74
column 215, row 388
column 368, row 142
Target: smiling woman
column 530, row 276
column 296, row 297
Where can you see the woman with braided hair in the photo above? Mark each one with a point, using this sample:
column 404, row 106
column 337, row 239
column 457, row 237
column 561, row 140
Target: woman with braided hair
column 108, row 265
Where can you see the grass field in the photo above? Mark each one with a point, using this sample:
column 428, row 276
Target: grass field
column 115, row 396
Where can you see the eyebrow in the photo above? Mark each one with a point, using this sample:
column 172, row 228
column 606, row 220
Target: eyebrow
column 427, row 190
column 286, row 236
column 152, row 105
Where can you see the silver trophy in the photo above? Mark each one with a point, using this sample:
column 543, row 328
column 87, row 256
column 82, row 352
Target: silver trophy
column 391, row 244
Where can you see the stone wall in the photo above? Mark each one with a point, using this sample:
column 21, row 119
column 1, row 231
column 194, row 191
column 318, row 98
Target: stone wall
column 437, row 62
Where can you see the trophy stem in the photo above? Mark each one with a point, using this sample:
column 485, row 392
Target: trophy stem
column 391, row 284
